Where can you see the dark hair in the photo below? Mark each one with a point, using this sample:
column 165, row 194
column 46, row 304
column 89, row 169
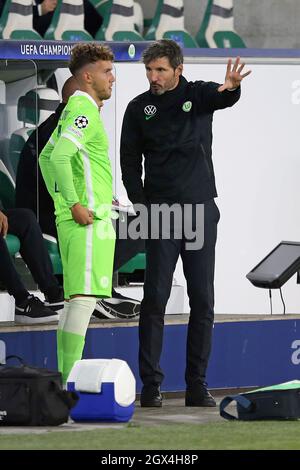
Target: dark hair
column 88, row 53
column 164, row 48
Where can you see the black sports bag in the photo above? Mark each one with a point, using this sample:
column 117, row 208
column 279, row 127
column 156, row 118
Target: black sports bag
column 32, row 396
column 280, row 401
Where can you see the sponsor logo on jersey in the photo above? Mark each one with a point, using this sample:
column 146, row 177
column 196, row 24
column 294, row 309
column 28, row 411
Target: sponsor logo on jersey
column 150, row 111
column 81, row 122
column 187, row 106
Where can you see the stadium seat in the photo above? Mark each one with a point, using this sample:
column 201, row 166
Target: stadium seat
column 138, row 18
column 138, row 262
column 7, row 188
column 103, row 7
column 16, row 20
column 217, row 28
column 4, row 140
column 168, row 23
column 33, row 109
column 67, row 23
column 120, row 23
column 52, row 247
column 13, row 244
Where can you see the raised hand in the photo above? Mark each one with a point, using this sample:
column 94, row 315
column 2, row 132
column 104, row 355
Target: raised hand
column 233, row 75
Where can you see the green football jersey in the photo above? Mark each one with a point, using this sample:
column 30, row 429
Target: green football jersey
column 75, row 162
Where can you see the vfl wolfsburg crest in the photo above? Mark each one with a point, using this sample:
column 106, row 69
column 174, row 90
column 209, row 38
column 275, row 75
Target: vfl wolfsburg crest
column 131, row 51
column 150, row 111
column 187, row 106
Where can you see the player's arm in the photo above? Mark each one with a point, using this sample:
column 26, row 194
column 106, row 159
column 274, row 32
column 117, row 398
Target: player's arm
column 60, row 161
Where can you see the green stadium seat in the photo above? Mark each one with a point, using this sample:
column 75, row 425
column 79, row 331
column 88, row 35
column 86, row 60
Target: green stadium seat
column 138, row 262
column 168, row 23
column 52, row 247
column 7, row 188
column 67, row 23
column 4, row 140
column 217, row 29
column 103, row 7
column 138, row 18
column 13, row 244
column 16, row 21
column 119, row 24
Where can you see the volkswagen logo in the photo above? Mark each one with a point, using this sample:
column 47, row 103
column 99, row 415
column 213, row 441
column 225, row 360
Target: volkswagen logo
column 150, row 110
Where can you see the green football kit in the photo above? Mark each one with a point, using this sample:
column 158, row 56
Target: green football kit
column 76, row 168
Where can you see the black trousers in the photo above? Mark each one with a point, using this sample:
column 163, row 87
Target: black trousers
column 198, row 266
column 125, row 248
column 23, row 224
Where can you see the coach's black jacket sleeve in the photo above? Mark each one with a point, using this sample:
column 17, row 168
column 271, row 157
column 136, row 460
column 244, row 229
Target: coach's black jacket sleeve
column 211, row 99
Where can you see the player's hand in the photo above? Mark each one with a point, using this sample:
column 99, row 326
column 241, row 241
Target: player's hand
column 3, row 224
column 82, row 215
column 233, row 75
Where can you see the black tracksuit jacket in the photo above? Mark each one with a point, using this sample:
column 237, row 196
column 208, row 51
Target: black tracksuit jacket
column 176, row 143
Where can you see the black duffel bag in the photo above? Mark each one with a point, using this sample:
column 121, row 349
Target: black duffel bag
column 280, row 401
column 33, row 396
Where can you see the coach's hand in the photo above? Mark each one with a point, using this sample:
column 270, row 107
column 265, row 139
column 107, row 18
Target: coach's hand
column 82, row 215
column 234, row 75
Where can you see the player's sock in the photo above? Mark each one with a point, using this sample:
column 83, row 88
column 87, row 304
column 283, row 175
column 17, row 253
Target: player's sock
column 74, row 331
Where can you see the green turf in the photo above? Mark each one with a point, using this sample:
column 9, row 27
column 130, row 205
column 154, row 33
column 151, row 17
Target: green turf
column 225, row 435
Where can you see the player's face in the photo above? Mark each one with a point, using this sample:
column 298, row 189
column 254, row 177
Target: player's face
column 162, row 77
column 102, row 79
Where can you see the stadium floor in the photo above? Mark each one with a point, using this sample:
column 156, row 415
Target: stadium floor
column 172, row 412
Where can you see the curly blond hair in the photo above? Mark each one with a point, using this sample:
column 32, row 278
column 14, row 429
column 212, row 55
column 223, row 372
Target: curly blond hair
column 88, row 53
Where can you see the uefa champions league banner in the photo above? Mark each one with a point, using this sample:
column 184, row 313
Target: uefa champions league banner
column 60, row 50
column 123, row 51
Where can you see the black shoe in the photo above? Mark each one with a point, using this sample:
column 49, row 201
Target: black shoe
column 56, row 301
column 117, row 306
column 198, row 395
column 33, row 311
column 151, row 397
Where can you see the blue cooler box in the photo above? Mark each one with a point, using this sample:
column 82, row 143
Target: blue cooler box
column 106, row 390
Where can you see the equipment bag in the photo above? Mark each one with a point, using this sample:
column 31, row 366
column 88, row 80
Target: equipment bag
column 32, row 396
column 280, row 401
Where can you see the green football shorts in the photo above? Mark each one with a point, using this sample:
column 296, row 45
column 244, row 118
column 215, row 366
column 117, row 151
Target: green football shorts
column 87, row 253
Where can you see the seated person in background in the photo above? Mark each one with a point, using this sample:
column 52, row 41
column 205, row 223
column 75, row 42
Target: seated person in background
column 28, row 308
column 43, row 12
column 26, row 179
column 26, row 196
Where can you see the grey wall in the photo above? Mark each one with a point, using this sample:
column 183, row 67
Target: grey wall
column 261, row 23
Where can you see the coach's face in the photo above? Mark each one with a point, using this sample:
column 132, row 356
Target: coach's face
column 161, row 75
